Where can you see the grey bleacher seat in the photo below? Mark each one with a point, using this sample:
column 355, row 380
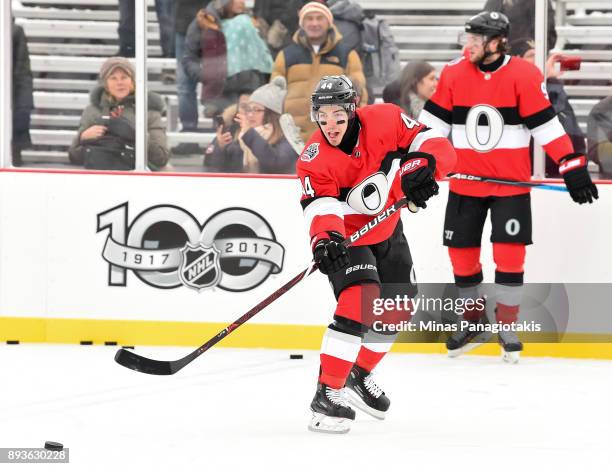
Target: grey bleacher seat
column 77, row 29
column 90, row 65
column 421, row 5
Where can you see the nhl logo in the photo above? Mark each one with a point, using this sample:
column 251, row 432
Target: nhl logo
column 199, row 266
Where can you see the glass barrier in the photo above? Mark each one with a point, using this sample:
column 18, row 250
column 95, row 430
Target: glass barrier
column 232, row 124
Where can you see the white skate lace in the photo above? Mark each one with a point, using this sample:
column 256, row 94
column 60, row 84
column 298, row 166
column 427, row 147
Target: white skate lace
column 371, row 386
column 337, row 396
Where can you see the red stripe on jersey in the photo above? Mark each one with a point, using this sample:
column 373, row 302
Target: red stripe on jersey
column 324, row 223
column 559, row 148
column 444, row 153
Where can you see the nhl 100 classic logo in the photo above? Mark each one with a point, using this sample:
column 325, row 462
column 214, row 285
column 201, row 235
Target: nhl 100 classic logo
column 166, row 247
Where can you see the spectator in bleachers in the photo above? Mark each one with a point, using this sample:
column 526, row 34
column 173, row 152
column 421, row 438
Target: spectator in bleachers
column 224, row 154
column 23, row 101
column 417, row 83
column 599, row 135
column 265, row 139
column 107, row 131
column 525, row 48
column 521, row 14
column 185, row 11
column 224, row 51
column 281, row 19
column 348, row 18
column 127, row 27
column 317, row 50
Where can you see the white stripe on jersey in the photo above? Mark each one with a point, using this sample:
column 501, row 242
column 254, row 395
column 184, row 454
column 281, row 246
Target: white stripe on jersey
column 427, row 118
column 513, row 137
column 341, row 345
column 422, row 137
column 548, row 131
column 322, row 206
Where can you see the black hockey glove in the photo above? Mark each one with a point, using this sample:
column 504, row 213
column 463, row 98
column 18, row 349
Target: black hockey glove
column 330, row 254
column 577, row 179
column 417, row 178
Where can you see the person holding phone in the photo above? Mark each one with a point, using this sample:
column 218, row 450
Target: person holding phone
column 256, row 137
column 555, row 66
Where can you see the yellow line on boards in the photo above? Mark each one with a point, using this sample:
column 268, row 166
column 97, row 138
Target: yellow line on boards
column 279, row 336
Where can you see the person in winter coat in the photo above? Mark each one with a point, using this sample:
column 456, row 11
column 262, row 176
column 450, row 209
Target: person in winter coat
column 348, row 16
column 107, row 131
column 281, row 18
column 525, row 48
column 599, row 135
column 417, row 84
column 184, row 13
column 223, row 50
column 23, row 101
column 317, row 50
column 266, row 140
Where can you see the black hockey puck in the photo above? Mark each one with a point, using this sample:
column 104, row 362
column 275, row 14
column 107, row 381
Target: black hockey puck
column 110, row 342
column 86, row 342
column 296, row 356
column 12, row 342
column 53, row 446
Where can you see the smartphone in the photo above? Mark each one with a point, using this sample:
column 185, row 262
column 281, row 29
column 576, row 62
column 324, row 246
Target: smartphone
column 219, row 122
column 567, row 62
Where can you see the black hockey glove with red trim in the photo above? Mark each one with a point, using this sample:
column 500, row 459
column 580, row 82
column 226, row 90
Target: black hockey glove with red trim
column 577, row 179
column 329, row 252
column 417, row 178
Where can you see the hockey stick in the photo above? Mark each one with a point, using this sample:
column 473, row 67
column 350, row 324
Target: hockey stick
column 508, row 182
column 157, row 367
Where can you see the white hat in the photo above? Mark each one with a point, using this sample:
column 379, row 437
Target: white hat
column 272, row 95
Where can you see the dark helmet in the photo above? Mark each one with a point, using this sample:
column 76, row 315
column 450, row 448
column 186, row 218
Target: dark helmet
column 334, row 89
column 488, row 23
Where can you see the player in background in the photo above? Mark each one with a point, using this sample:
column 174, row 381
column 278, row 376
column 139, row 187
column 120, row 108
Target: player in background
column 358, row 163
column 492, row 104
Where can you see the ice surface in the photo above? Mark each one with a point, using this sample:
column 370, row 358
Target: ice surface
column 249, row 409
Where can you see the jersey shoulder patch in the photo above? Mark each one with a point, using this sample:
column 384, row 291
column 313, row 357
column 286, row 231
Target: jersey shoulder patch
column 311, row 152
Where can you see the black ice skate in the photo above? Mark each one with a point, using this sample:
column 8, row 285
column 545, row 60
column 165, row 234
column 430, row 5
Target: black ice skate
column 365, row 394
column 511, row 346
column 466, row 339
column 330, row 411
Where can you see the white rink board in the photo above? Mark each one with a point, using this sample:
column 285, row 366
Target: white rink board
column 52, row 263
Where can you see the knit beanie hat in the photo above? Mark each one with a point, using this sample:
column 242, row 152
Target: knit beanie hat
column 112, row 64
column 271, row 95
column 315, row 7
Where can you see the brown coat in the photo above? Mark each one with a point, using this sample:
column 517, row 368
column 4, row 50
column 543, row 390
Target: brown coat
column 303, row 68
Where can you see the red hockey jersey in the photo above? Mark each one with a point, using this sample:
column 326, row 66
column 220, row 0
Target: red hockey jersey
column 343, row 192
column 491, row 117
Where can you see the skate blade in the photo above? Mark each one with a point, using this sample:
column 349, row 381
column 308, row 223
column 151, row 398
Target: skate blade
column 354, row 399
column 476, row 342
column 324, row 424
column 510, row 357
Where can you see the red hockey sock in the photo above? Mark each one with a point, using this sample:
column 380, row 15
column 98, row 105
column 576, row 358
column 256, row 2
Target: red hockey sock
column 506, row 314
column 334, row 371
column 368, row 359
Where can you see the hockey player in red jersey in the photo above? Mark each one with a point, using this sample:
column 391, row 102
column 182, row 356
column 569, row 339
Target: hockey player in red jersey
column 492, row 104
column 360, row 162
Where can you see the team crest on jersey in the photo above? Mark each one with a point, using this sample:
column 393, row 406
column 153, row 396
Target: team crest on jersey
column 311, row 152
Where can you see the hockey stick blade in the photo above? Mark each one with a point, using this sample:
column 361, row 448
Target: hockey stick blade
column 146, row 365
